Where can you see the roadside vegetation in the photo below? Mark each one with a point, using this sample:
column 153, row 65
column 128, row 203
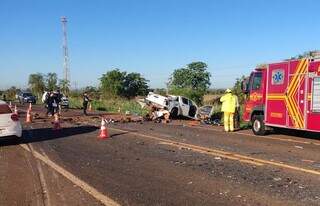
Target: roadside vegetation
column 118, row 90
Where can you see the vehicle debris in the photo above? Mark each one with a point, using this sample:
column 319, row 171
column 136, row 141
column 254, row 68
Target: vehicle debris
column 299, row 147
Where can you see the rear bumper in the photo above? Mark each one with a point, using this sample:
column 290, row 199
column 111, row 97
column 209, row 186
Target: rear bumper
column 12, row 131
column 29, row 101
column 64, row 105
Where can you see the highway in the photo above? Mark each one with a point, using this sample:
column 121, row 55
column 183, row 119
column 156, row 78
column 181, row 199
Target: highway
column 146, row 163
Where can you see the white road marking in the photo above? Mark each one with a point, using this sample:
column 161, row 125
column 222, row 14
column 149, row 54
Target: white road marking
column 83, row 185
column 43, row 183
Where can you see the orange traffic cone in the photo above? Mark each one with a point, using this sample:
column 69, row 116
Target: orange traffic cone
column 15, row 109
column 90, row 107
column 28, row 117
column 30, row 106
column 103, row 130
column 56, row 123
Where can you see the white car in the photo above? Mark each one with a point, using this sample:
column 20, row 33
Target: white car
column 9, row 122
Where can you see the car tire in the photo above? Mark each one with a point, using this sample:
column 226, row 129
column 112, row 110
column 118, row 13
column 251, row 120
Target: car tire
column 174, row 113
column 258, row 126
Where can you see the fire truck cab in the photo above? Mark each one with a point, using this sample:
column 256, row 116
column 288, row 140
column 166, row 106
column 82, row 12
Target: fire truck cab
column 284, row 94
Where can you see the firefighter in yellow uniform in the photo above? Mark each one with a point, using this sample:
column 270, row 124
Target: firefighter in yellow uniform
column 229, row 102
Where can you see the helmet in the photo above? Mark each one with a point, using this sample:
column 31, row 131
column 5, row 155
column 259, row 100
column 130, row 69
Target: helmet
column 228, row 91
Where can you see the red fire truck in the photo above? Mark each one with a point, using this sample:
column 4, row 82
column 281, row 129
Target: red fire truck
column 284, row 94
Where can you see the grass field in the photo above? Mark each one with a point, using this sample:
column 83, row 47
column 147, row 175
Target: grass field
column 111, row 105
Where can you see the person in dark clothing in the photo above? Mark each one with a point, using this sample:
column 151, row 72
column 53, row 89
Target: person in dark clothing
column 46, row 101
column 51, row 104
column 85, row 103
column 57, row 100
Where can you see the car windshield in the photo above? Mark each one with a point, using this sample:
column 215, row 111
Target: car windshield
column 27, row 95
column 5, row 109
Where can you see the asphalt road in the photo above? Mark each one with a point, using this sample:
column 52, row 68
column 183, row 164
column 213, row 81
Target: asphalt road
column 155, row 164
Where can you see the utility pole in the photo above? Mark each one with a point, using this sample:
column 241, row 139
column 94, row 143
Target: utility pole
column 66, row 68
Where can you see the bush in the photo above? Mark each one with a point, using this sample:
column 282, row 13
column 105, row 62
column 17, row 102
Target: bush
column 110, row 105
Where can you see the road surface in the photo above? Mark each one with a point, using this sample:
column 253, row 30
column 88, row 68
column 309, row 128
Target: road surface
column 155, row 164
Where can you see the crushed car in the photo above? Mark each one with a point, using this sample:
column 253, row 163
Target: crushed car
column 177, row 106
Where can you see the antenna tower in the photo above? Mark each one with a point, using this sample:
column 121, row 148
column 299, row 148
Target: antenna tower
column 66, row 68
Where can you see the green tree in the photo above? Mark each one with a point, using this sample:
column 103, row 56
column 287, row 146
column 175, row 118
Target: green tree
column 193, row 81
column 37, row 83
column 112, row 83
column 64, row 86
column 116, row 83
column 51, row 80
column 160, row 91
column 93, row 92
column 237, row 89
column 307, row 54
column 134, row 84
column 11, row 93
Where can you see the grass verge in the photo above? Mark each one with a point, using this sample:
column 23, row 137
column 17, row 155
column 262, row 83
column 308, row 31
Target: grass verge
column 110, row 105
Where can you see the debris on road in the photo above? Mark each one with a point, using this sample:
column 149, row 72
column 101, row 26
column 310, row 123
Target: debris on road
column 277, row 179
column 310, row 161
column 56, row 123
column 194, row 123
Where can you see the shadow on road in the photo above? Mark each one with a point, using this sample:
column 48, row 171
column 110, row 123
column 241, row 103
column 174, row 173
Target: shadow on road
column 296, row 133
column 44, row 134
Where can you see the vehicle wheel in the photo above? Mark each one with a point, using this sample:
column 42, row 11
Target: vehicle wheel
column 258, row 126
column 174, row 113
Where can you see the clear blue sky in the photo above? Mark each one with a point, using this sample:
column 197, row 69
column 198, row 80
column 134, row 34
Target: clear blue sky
column 152, row 37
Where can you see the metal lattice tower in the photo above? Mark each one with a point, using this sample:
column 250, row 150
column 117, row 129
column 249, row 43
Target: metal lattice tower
column 66, row 68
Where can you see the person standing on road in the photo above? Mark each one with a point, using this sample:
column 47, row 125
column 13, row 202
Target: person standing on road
column 57, row 99
column 51, row 103
column 85, row 103
column 46, row 101
column 228, row 108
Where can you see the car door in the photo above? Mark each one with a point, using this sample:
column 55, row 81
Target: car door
column 184, row 105
column 192, row 109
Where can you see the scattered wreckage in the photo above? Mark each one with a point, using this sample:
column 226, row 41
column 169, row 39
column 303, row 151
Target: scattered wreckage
column 164, row 108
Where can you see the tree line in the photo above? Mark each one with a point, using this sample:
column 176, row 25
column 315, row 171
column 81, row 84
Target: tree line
column 192, row 81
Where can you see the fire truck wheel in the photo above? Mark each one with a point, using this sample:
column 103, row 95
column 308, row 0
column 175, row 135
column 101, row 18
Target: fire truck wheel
column 258, row 126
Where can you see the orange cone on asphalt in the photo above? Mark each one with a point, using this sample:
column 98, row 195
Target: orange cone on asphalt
column 28, row 117
column 103, row 130
column 15, row 109
column 30, row 106
column 56, row 123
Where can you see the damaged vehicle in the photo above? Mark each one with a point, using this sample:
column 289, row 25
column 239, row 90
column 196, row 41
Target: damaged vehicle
column 175, row 105
column 207, row 115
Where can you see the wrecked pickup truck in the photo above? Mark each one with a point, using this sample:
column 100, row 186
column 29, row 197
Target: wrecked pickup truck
column 176, row 105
